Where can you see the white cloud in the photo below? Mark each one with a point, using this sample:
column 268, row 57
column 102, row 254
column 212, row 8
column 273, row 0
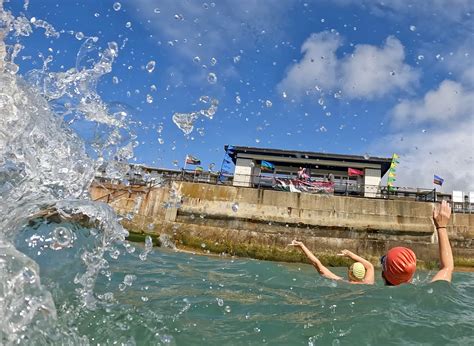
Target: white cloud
column 448, row 102
column 437, row 137
column 372, row 72
column 318, row 66
column 369, row 72
column 446, row 152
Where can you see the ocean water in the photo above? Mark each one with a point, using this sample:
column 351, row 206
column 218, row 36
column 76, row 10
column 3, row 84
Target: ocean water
column 187, row 299
column 77, row 281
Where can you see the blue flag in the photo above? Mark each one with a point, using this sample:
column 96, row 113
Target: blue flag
column 267, row 166
column 438, row 180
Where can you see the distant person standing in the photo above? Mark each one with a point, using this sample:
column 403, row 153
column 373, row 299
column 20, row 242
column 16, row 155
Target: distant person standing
column 302, row 175
column 399, row 264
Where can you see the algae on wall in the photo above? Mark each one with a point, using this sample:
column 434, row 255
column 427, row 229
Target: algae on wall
column 266, row 221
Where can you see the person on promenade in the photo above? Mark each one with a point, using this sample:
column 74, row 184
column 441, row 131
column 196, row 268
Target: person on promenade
column 399, row 264
column 360, row 272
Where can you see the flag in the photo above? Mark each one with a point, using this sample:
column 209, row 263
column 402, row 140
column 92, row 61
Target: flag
column 353, row 172
column 191, row 160
column 438, row 180
column 267, row 166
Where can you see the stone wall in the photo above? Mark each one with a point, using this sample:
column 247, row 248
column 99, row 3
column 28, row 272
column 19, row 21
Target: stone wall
column 252, row 217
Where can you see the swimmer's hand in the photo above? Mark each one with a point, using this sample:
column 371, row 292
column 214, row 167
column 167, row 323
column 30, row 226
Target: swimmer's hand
column 345, row 253
column 296, row 243
column 441, row 214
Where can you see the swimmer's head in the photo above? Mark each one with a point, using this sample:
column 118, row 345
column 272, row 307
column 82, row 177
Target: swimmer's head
column 398, row 266
column 357, row 272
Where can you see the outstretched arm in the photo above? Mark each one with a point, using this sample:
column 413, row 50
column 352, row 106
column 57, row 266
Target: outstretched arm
column 316, row 262
column 441, row 215
column 369, row 268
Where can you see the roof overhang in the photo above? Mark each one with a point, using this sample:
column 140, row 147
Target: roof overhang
column 291, row 158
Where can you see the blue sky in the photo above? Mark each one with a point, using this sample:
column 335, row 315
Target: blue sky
column 350, row 77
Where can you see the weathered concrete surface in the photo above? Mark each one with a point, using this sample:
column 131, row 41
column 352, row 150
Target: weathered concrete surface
column 268, row 218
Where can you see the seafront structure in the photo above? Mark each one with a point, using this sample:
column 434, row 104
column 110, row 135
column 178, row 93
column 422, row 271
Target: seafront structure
column 234, row 214
column 322, row 167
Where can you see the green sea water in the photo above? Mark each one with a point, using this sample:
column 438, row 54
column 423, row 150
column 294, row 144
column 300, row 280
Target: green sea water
column 185, row 299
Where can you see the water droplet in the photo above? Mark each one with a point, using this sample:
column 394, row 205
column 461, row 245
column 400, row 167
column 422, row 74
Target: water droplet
column 430, row 291
column 213, row 61
column 128, row 279
column 235, row 207
column 212, row 78
column 392, row 73
column 268, row 103
column 284, row 95
column 149, row 98
column 321, row 101
column 115, row 80
column 62, row 237
column 204, row 99
column 157, row 10
column 220, row 301
column 178, row 16
column 236, row 59
column 257, row 330
column 79, row 35
column 227, row 309
column 366, row 156
column 423, row 131
column 97, row 15
column 150, row 66
column 421, row 57
column 412, row 28
column 203, row 245
column 197, row 59
column 128, row 25
column 237, row 99
column 29, row 275
column 117, row 6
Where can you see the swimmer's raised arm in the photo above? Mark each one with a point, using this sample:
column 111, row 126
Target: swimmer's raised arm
column 441, row 215
column 316, row 262
column 369, row 268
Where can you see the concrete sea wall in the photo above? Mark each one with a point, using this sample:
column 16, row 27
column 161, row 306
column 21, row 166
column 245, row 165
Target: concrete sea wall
column 260, row 223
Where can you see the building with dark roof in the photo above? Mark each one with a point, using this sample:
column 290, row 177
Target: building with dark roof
column 319, row 166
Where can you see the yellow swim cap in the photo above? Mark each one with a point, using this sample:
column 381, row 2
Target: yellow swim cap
column 358, row 270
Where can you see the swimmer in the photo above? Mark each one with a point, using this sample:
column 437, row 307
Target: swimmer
column 360, row 272
column 399, row 264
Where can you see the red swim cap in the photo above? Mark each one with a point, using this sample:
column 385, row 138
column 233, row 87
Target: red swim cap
column 399, row 265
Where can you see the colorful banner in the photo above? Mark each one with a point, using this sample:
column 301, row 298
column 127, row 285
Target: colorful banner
column 354, row 172
column 391, row 179
column 191, row 160
column 438, row 180
column 304, row 186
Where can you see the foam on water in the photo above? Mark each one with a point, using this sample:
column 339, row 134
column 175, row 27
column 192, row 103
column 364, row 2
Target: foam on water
column 45, row 170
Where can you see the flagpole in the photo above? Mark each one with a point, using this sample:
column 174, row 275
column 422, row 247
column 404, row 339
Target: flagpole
column 185, row 162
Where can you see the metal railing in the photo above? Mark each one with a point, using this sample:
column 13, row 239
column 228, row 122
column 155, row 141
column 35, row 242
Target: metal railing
column 318, row 186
